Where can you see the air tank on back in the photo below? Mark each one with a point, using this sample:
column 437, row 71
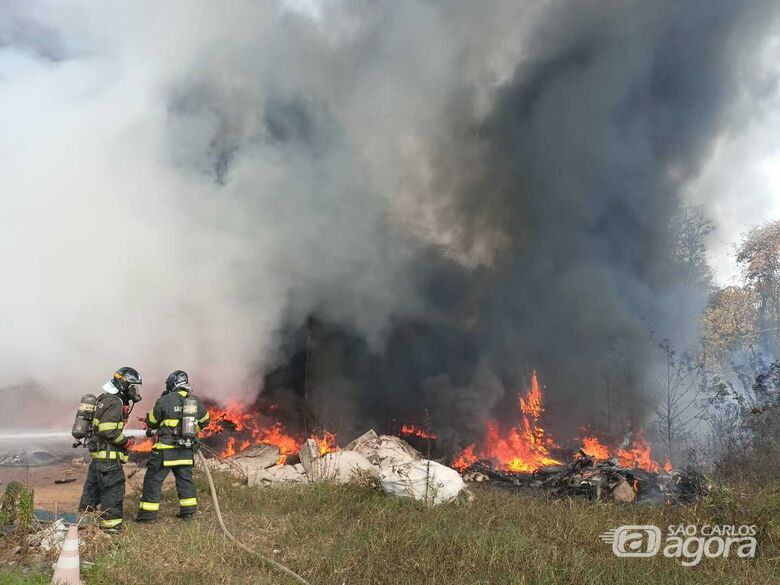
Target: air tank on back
column 84, row 416
column 189, row 418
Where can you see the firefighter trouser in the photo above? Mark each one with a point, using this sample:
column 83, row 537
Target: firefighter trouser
column 156, row 473
column 104, row 489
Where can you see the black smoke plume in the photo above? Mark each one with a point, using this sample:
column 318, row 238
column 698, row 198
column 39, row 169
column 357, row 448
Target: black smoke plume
column 577, row 171
column 366, row 210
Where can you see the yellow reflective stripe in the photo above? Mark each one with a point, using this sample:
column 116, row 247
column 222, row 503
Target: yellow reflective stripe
column 170, row 422
column 111, row 455
column 110, row 426
column 110, row 523
column 204, row 418
column 163, row 446
column 188, row 502
column 182, row 393
column 119, row 439
column 150, row 506
column 95, row 421
column 151, row 417
column 176, row 462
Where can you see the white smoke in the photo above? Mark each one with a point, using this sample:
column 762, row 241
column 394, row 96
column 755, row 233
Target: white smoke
column 178, row 177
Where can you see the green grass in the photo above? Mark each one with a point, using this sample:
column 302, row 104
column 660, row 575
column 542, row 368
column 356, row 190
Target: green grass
column 344, row 534
column 10, row 576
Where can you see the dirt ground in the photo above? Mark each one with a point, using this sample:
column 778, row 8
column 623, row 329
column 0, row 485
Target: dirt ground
column 65, row 497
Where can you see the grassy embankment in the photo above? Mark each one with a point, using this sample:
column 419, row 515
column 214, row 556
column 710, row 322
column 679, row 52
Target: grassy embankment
column 345, row 534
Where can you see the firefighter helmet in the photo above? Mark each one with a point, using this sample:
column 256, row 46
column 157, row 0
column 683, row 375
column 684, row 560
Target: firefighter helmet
column 177, row 379
column 127, row 380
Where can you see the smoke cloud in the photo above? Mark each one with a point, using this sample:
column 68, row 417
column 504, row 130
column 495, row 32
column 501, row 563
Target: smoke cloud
column 457, row 192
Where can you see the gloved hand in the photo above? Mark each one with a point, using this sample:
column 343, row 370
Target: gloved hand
column 130, row 442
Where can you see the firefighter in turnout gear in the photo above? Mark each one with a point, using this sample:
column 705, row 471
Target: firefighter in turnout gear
column 107, row 444
column 175, row 420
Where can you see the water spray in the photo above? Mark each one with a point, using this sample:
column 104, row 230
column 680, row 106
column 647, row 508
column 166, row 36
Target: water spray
column 50, row 435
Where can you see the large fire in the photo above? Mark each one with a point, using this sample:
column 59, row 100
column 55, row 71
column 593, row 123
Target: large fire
column 524, row 447
column 637, row 453
column 247, row 429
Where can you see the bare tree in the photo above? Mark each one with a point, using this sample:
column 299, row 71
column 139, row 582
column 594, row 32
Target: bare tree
column 617, row 374
column 682, row 402
column 745, row 419
column 690, row 229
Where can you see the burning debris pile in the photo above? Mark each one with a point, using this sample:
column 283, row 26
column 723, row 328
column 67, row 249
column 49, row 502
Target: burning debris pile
column 523, row 456
column 526, row 447
column 254, row 444
column 235, row 428
column 383, row 460
column 598, row 479
column 523, row 448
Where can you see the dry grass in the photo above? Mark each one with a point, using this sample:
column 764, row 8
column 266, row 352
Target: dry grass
column 337, row 534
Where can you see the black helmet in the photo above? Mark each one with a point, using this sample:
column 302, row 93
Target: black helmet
column 177, row 379
column 127, row 380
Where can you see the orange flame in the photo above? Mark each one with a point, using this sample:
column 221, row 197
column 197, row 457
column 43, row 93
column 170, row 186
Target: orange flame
column 144, row 446
column 595, row 448
column 523, row 448
column 526, row 446
column 465, row 459
column 326, row 443
column 411, row 430
column 230, row 449
column 638, row 454
column 236, row 416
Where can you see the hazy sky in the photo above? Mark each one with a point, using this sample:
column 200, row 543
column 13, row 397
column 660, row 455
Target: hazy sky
column 740, row 184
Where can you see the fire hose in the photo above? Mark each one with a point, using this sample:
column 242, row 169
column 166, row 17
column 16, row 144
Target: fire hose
column 278, row 566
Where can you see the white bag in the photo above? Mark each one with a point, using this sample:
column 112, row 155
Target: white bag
column 422, row 480
column 342, row 467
